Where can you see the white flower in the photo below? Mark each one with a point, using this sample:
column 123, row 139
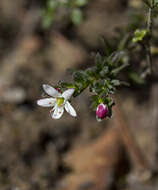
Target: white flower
column 59, row 101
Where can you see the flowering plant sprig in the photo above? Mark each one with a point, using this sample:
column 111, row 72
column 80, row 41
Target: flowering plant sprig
column 101, row 80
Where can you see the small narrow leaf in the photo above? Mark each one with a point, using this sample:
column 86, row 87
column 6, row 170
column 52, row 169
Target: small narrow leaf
column 76, row 16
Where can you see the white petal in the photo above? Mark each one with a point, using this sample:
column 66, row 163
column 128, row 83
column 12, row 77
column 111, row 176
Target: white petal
column 46, row 102
column 68, row 93
column 50, row 90
column 58, row 112
column 70, row 109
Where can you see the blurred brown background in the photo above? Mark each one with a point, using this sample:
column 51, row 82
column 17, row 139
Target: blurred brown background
column 38, row 153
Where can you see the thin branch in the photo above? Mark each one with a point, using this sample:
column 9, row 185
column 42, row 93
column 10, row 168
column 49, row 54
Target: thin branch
column 149, row 70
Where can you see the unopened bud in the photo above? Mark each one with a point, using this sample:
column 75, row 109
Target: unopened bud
column 101, row 111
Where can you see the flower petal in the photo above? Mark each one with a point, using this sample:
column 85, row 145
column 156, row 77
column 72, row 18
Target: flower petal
column 50, row 90
column 70, row 109
column 58, row 112
column 46, row 102
column 68, row 93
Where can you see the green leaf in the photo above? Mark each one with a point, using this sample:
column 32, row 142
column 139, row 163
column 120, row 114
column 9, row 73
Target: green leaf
column 76, row 16
column 96, row 100
column 123, row 43
column 155, row 3
column 79, row 76
column 115, row 58
column 118, row 69
column 118, row 56
column 103, row 73
column 139, row 35
column 124, row 83
column 109, row 112
column 98, row 59
column 47, row 19
column 63, row 3
column 96, row 87
column 136, row 78
column 115, row 82
column 81, row 2
column 147, row 2
column 91, row 74
column 107, row 46
column 67, row 85
column 49, row 13
column 52, row 4
column 109, row 101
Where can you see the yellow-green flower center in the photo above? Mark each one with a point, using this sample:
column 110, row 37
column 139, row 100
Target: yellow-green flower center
column 60, row 101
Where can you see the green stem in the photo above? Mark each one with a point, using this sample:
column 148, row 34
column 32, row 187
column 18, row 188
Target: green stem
column 149, row 70
column 150, row 21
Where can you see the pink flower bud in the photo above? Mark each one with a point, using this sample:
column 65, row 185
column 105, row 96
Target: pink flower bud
column 101, row 111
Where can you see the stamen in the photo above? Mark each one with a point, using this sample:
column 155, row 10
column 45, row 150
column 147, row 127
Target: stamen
column 60, row 101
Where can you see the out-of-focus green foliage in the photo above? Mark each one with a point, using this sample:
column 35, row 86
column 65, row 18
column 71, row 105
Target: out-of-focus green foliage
column 76, row 16
column 151, row 2
column 135, row 77
column 139, row 35
column 69, row 9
